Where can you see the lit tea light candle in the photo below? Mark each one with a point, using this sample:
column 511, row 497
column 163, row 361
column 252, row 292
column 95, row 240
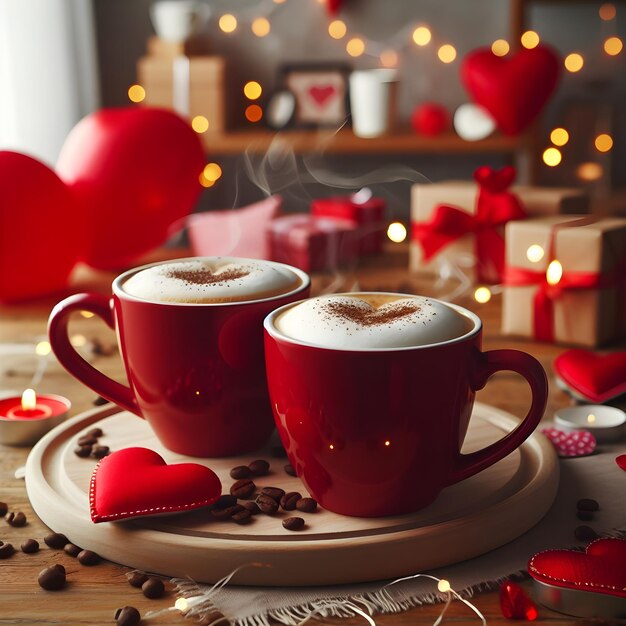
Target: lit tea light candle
column 25, row 419
column 605, row 422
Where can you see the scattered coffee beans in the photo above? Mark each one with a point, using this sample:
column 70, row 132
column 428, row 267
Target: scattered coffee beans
column 4, row 507
column 82, row 451
column 223, row 501
column 86, row 440
column 6, row 550
column 153, row 588
column 585, row 516
column 587, row 504
column 289, row 469
column 99, row 452
column 251, row 506
column 52, row 578
column 293, row 523
column 99, row 401
column 127, row 616
column 278, row 452
column 30, row 546
column 259, row 467
column 276, row 493
column 136, row 579
column 95, row 432
column 241, row 471
column 228, row 512
column 16, row 519
column 306, row 505
column 56, row 540
column 87, row 557
column 585, row 533
column 242, row 517
column 243, row 488
column 268, row 505
column 71, row 549
column 290, row 500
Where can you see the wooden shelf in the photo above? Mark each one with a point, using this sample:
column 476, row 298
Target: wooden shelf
column 345, row 142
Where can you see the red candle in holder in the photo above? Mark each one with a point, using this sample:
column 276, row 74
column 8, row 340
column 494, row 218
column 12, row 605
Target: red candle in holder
column 25, row 420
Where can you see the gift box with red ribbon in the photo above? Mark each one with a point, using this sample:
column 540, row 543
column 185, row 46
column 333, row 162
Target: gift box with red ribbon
column 565, row 280
column 312, row 243
column 462, row 222
column 368, row 216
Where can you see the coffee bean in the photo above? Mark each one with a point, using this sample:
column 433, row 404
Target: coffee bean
column 99, row 452
column 585, row 533
column 241, row 471
column 86, row 440
column 268, row 505
column 587, row 504
column 6, row 550
column 87, row 557
column 243, row 488
column 56, row 540
column 127, row 616
column 290, row 500
column 293, row 523
column 4, row 507
column 224, row 501
column 585, row 516
column 99, row 401
column 95, row 432
column 71, row 549
column 289, row 469
column 214, row 618
column 260, row 467
column 251, row 506
column 243, row 517
column 278, row 452
column 30, row 546
column 273, row 492
column 82, row 451
column 306, row 505
column 153, row 588
column 16, row 519
column 136, row 579
column 227, row 513
column 52, row 578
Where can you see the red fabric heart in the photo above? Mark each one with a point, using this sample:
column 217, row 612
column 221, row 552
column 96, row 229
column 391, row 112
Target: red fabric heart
column 40, row 229
column 136, row 482
column 515, row 603
column 569, row 445
column 596, row 377
column 321, row 95
column 601, row 568
column 621, row 461
column 135, row 171
column 515, row 88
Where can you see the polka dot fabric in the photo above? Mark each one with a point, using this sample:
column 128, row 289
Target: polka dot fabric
column 570, row 445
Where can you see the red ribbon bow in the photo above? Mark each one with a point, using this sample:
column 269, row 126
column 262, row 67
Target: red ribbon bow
column 495, row 206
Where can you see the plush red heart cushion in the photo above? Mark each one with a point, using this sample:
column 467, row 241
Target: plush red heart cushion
column 136, row 482
column 514, row 88
column 601, row 569
column 596, row 377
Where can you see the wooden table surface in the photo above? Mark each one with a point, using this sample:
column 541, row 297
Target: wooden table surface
column 95, row 592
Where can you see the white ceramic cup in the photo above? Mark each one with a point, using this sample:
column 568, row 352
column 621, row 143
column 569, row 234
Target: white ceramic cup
column 370, row 101
column 176, row 20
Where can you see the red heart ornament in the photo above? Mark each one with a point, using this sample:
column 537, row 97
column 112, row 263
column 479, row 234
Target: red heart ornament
column 515, row 88
column 621, row 461
column 135, row 171
column 600, row 569
column 136, row 482
column 595, row 377
column 320, row 95
column 570, row 445
column 40, row 229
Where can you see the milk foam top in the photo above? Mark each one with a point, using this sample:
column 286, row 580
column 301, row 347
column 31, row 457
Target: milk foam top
column 369, row 321
column 221, row 279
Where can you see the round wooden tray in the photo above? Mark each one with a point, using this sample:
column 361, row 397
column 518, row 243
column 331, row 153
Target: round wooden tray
column 468, row 519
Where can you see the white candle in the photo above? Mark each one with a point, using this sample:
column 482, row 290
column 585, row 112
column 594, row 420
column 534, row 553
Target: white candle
column 605, row 422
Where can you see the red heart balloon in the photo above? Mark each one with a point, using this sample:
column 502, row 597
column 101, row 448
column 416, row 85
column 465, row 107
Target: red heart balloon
column 601, row 569
column 136, row 482
column 595, row 377
column 40, row 229
column 515, row 88
column 135, row 172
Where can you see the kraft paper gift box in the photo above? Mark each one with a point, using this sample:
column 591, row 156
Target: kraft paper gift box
column 312, row 243
column 587, row 306
column 425, row 198
column 368, row 217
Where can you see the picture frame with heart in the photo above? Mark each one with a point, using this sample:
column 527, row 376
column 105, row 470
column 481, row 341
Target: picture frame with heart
column 320, row 91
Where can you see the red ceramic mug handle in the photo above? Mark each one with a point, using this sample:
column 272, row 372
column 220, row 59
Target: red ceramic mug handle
column 487, row 364
column 101, row 306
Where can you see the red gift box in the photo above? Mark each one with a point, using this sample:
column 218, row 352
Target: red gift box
column 367, row 216
column 312, row 243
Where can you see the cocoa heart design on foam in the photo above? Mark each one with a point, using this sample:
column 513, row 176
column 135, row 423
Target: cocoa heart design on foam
column 601, row 568
column 321, row 94
column 515, row 88
column 570, row 445
column 370, row 316
column 136, row 482
column 595, row 377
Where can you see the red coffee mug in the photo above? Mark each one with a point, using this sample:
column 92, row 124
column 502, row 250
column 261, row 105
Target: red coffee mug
column 196, row 371
column 379, row 432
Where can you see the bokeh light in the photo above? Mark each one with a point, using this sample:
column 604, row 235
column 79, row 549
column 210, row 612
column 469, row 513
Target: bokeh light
column 530, row 39
column 136, row 93
column 589, row 171
column 535, row 253
column 482, row 295
column 252, row 90
column 337, row 29
column 389, row 58
column 603, row 142
column 607, row 11
column 228, row 23
column 552, row 157
column 254, row 113
column 422, row 35
column 500, row 47
column 200, row 124
column 396, row 232
column 574, row 62
column 554, row 273
column 261, row 26
column 613, row 46
column 446, row 53
column 355, row 47
column 559, row 136
column 212, row 171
